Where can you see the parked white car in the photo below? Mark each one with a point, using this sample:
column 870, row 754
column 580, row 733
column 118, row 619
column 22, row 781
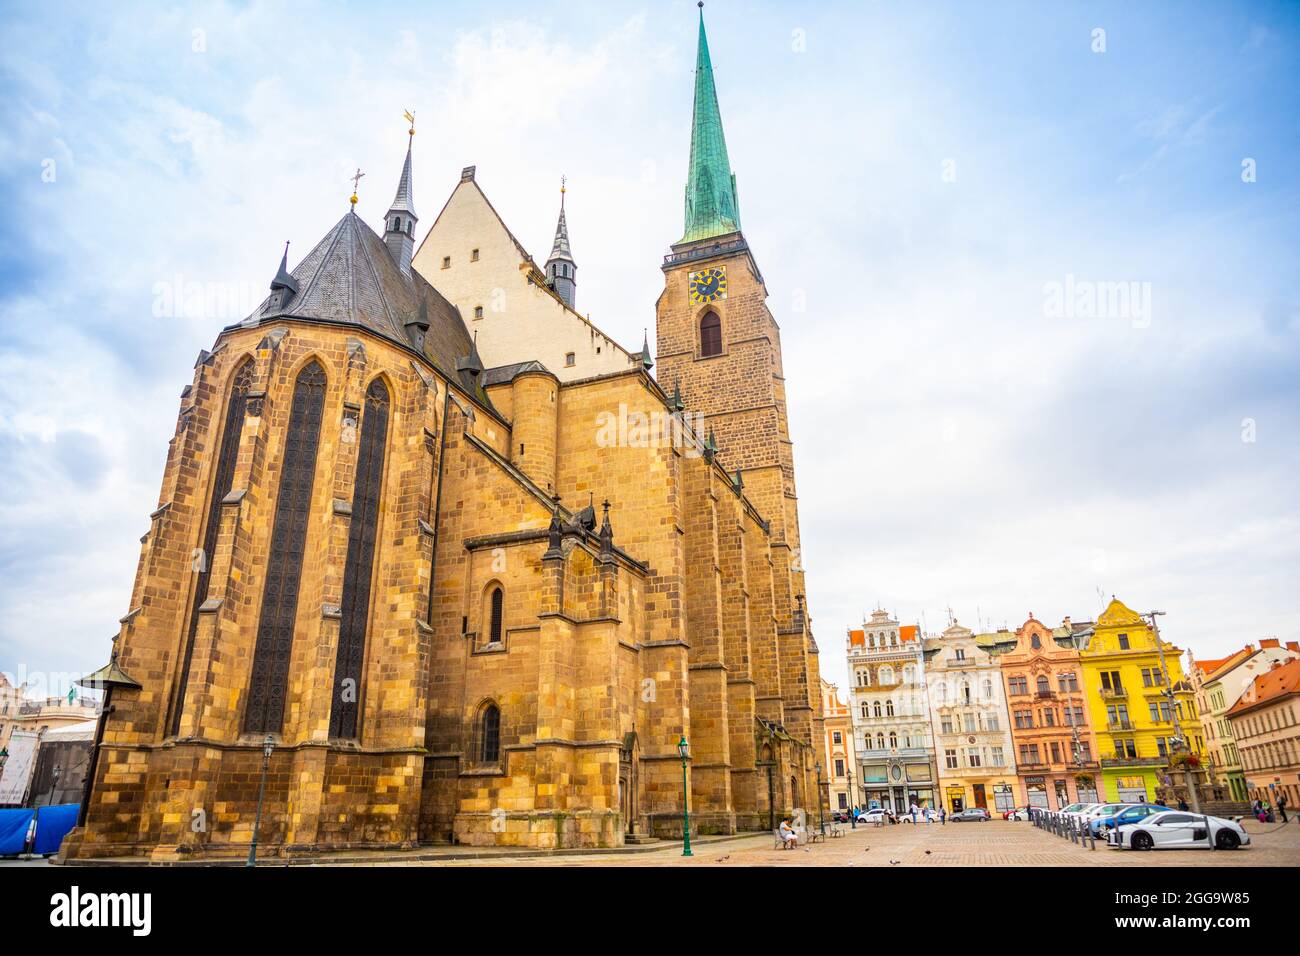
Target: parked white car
column 876, row 815
column 1174, row 829
column 1080, row 809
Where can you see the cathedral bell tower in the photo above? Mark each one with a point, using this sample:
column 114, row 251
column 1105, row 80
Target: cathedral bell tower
column 399, row 224
column 719, row 343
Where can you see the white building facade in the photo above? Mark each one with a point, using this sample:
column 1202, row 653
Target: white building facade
column 891, row 721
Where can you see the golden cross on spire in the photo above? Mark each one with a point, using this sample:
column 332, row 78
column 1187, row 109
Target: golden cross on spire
column 356, row 180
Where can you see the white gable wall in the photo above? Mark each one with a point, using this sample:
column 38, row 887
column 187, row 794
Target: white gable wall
column 521, row 320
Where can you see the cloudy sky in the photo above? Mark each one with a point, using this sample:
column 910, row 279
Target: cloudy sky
column 1036, row 283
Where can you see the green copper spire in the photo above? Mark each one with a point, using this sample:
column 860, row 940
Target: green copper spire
column 711, row 205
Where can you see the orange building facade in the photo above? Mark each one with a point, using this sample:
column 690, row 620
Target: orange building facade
column 1055, row 749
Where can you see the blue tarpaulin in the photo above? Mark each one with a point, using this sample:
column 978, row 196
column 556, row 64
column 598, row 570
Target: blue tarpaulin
column 13, row 830
column 52, row 825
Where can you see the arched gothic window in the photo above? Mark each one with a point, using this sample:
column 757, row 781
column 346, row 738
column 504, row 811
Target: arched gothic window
column 893, row 739
column 227, row 454
column 274, row 646
column 710, row 335
column 496, row 609
column 1044, row 685
column 880, row 741
column 889, row 708
column 490, row 734
column 358, row 571
column 877, row 708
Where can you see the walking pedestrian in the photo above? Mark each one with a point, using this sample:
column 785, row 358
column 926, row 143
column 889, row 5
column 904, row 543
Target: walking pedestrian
column 1281, row 806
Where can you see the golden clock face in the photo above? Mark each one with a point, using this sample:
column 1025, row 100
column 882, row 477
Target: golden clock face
column 708, row 285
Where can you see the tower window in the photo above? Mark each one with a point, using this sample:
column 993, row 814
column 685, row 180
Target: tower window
column 473, row 255
column 570, row 358
column 446, row 262
column 410, row 227
column 710, row 335
column 478, row 311
column 397, row 224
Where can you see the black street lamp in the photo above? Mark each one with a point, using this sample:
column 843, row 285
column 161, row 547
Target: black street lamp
column 853, row 810
column 107, row 678
column 821, row 819
column 268, row 745
column 684, row 751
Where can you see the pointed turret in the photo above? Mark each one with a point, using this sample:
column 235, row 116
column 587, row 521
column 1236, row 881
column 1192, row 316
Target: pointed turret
column 472, row 363
column 561, row 270
column 647, row 362
column 284, row 286
column 399, row 225
column 712, row 208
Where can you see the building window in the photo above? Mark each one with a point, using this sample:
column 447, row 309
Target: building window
column 876, row 707
column 973, row 756
column 496, row 601
column 950, row 759
column 274, row 645
column 490, row 735
column 844, row 800
column 710, row 335
column 358, row 570
column 1017, row 685
column 839, row 768
column 837, row 737
column 570, row 359
column 1123, row 642
column 1043, row 684
column 889, row 708
column 473, row 255
column 225, row 465
column 945, row 724
column 446, row 262
column 478, row 311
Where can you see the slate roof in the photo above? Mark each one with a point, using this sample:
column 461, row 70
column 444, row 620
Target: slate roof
column 506, row 373
column 350, row 278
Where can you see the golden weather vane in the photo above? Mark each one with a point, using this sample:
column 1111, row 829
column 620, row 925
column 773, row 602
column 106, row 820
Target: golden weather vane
column 410, row 118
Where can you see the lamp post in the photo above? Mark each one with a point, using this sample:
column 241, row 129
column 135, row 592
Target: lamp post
column 107, row 678
column 853, row 809
column 821, row 819
column 684, row 750
column 268, row 745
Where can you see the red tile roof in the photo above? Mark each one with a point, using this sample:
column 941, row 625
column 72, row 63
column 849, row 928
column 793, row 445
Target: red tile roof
column 1278, row 683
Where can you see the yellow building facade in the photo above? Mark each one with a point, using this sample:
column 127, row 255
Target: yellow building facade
column 1134, row 693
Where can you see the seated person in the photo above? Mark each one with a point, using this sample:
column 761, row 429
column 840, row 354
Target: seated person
column 789, row 839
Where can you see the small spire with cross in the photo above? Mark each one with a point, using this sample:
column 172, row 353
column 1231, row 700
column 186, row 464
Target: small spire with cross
column 356, row 181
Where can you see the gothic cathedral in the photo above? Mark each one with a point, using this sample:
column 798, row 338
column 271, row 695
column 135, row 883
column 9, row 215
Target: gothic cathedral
column 424, row 552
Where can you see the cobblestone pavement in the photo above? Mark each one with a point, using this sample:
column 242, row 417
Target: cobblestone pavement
column 994, row 843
